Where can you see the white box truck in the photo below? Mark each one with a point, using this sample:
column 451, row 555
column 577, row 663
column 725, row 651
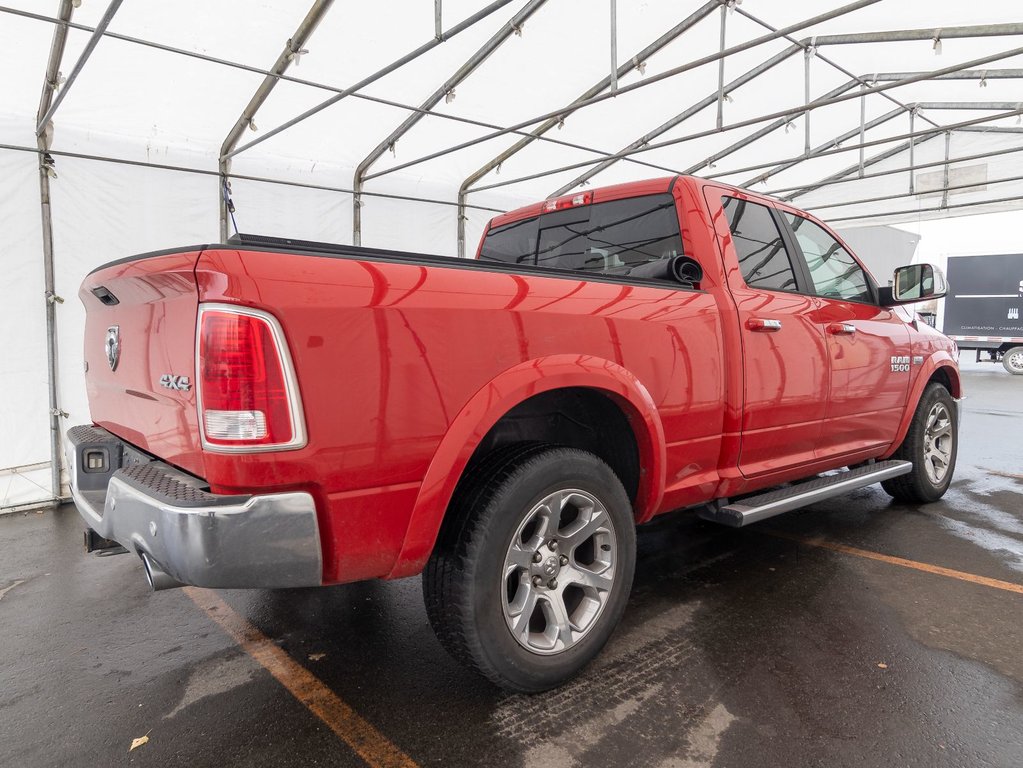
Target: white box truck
column 982, row 308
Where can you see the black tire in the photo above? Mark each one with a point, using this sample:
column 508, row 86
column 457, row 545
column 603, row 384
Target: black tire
column 467, row 588
column 920, row 485
column 1012, row 361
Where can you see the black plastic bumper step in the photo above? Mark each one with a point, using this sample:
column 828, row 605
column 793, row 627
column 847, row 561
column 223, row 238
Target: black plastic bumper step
column 755, row 508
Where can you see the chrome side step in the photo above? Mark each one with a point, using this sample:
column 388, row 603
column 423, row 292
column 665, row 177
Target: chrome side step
column 755, row 508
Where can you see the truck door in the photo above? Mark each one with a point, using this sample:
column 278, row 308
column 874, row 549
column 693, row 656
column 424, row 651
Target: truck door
column 784, row 356
column 869, row 346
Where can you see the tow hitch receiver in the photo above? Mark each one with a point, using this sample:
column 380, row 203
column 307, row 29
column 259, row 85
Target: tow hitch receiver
column 102, row 547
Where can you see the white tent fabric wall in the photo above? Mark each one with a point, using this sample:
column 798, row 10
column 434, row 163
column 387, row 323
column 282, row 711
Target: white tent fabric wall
column 24, row 443
column 140, row 104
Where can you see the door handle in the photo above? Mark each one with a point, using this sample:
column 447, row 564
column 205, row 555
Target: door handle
column 841, row 329
column 763, row 325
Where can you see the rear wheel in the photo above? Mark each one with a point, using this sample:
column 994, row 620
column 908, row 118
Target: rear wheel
column 534, row 567
column 931, row 444
column 1012, row 361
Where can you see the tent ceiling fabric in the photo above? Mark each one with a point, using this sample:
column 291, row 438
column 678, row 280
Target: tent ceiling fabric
column 137, row 137
column 181, row 108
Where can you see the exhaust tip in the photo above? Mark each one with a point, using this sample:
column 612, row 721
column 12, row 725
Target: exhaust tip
column 158, row 578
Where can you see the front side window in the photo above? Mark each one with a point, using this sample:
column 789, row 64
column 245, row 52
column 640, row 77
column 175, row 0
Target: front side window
column 609, row 238
column 763, row 258
column 834, row 271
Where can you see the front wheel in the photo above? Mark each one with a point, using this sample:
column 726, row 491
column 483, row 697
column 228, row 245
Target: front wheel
column 534, row 566
column 1012, row 361
column 931, row 444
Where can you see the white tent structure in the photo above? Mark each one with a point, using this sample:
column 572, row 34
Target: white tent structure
column 128, row 126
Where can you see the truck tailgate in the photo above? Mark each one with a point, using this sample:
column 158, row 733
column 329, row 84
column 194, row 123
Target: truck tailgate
column 140, row 354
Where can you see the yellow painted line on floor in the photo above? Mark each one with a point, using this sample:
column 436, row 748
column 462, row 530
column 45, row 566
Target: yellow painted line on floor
column 1011, row 475
column 367, row 742
column 973, row 578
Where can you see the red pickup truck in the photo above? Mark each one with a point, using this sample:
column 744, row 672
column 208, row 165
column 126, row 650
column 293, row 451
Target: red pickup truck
column 271, row 413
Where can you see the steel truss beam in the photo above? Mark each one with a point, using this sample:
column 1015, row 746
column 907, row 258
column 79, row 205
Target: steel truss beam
column 636, row 86
column 340, row 92
column 636, row 62
column 877, row 77
column 811, row 52
column 935, row 209
column 944, row 189
column 246, row 177
column 681, row 117
column 292, row 49
column 798, row 45
column 398, row 64
column 902, row 169
column 300, row 81
column 43, row 120
column 962, row 125
column 513, row 26
column 840, row 176
column 752, row 121
column 47, row 106
column 863, row 127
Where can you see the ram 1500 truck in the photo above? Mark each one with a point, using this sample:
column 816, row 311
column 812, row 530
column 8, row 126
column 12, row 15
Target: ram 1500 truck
column 270, row 413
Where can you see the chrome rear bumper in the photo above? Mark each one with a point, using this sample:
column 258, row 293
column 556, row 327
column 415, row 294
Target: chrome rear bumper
column 183, row 533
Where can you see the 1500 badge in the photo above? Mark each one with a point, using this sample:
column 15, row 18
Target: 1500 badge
column 183, row 383
column 900, row 363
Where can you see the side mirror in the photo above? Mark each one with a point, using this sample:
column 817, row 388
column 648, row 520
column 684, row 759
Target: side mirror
column 913, row 283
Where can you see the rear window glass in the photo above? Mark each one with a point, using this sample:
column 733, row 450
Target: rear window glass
column 610, row 238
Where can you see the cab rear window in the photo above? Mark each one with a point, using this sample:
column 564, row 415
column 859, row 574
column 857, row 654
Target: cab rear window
column 609, row 238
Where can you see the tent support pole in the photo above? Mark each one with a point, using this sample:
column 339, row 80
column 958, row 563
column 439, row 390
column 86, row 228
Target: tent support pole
column 636, row 62
column 397, row 64
column 46, row 117
column 751, row 121
column 681, row 117
column 807, row 44
column 944, row 193
column 967, row 74
column 1017, row 199
column 721, row 69
column 855, row 5
column 614, row 45
column 851, row 170
column 44, row 137
column 901, row 169
column 833, row 143
column 863, row 127
column 912, row 148
column 900, row 195
column 807, row 56
column 446, row 91
column 911, row 108
column 292, row 50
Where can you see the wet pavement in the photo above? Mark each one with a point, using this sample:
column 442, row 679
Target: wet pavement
column 739, row 648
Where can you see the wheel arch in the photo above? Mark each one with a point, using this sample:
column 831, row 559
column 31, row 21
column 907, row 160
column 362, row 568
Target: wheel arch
column 940, row 368
column 512, row 389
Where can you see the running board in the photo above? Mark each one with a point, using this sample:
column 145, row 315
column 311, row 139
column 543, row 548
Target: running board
column 756, row 508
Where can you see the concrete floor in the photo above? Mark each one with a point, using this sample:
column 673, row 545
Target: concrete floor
column 738, row 648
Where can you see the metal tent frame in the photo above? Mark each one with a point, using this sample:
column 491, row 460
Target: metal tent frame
column 535, row 128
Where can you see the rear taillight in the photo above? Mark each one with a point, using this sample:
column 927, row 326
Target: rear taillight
column 248, row 396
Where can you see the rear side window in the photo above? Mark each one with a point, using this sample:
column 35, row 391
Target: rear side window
column 513, row 243
column 833, row 269
column 610, row 238
column 763, row 259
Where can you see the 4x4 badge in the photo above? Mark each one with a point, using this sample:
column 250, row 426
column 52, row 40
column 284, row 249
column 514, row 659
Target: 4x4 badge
column 113, row 346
